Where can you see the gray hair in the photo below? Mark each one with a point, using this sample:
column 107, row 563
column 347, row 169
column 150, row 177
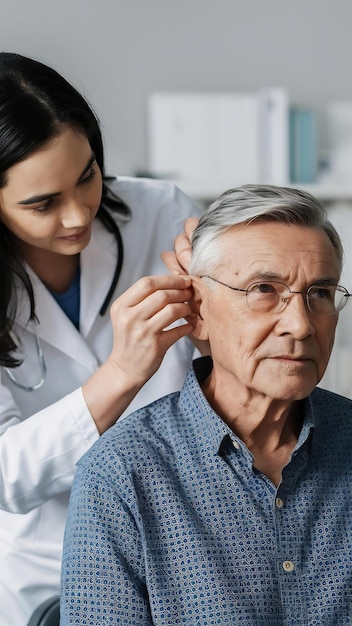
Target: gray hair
column 255, row 203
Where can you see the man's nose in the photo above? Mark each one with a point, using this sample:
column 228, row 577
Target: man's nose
column 295, row 318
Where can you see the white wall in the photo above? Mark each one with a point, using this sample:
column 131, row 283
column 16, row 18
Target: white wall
column 117, row 51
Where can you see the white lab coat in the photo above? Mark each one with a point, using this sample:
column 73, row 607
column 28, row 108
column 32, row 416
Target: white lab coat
column 44, row 432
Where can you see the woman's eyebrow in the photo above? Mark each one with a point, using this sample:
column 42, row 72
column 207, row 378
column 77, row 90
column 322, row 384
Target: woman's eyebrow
column 36, row 199
column 48, row 196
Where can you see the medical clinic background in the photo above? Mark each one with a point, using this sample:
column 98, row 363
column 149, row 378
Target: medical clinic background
column 120, row 53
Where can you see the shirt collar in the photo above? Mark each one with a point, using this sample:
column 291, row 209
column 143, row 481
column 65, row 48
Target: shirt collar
column 210, row 428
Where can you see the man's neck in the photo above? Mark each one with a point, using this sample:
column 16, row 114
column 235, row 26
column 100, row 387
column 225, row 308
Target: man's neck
column 269, row 428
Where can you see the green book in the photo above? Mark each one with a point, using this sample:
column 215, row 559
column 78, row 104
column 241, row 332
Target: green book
column 303, row 148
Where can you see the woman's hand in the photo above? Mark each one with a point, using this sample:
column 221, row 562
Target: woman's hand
column 178, row 260
column 141, row 319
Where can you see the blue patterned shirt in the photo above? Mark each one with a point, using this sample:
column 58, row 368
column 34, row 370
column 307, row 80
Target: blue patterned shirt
column 170, row 524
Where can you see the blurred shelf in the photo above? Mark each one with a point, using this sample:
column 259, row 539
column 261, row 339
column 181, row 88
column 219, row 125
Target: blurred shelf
column 328, row 192
column 325, row 192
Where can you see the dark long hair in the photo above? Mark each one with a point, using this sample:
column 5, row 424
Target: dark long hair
column 35, row 101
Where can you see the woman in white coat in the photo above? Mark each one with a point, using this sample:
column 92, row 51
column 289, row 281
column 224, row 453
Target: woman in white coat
column 71, row 243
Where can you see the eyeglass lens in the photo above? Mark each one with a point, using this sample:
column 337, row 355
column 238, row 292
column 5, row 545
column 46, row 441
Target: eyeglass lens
column 321, row 299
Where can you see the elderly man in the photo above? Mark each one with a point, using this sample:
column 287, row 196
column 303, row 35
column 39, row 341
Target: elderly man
column 230, row 502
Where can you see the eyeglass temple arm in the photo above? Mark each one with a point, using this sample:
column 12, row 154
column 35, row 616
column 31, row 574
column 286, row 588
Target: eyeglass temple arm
column 224, row 284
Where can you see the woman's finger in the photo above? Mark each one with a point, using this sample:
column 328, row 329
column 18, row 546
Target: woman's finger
column 171, row 262
column 148, row 285
column 178, row 260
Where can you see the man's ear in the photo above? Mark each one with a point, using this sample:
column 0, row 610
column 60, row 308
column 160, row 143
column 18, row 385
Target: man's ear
column 197, row 305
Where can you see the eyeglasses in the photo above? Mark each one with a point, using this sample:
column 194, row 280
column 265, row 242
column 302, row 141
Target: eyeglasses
column 273, row 297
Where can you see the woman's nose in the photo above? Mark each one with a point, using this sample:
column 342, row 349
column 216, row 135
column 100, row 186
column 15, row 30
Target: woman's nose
column 75, row 214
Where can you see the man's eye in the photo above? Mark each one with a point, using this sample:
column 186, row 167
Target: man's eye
column 263, row 289
column 321, row 293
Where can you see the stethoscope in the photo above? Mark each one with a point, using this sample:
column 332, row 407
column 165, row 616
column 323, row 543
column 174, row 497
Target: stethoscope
column 108, row 221
column 42, row 366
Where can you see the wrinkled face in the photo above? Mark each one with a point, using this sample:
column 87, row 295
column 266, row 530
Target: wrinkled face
column 52, row 196
column 282, row 355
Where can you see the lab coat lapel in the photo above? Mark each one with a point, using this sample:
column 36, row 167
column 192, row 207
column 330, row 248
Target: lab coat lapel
column 97, row 268
column 98, row 262
column 56, row 329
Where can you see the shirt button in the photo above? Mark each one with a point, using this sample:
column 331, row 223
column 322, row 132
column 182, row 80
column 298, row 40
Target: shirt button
column 288, row 566
column 279, row 503
column 235, row 444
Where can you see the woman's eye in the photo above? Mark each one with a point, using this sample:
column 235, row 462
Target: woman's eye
column 89, row 176
column 44, row 207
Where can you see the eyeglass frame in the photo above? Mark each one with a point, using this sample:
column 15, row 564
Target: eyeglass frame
column 285, row 301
